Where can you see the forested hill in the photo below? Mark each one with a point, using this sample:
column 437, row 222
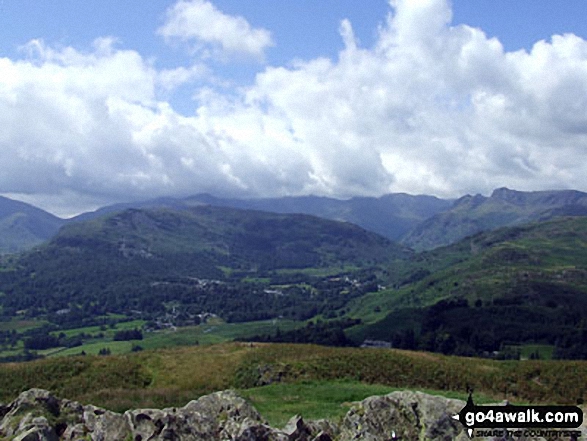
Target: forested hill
column 525, row 284
column 127, row 260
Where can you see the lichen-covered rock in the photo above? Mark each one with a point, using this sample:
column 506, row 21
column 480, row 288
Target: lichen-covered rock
column 221, row 415
column 407, row 415
column 30, row 416
column 38, row 429
column 102, row 425
column 299, row 430
column 36, row 415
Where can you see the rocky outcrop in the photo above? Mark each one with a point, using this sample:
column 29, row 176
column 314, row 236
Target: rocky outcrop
column 408, row 415
column 37, row 415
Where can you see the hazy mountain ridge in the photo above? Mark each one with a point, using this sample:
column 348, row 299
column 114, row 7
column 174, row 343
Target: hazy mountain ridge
column 472, row 214
column 420, row 222
column 23, row 226
column 525, row 283
column 392, row 215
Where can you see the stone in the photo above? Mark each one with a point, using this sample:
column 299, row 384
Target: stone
column 410, row 415
column 297, row 430
column 37, row 415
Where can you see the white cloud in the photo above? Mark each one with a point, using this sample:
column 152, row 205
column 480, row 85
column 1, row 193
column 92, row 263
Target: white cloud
column 437, row 109
column 430, row 108
column 169, row 79
column 201, row 23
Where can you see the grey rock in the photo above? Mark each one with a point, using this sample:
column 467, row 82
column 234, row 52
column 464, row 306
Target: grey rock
column 297, row 430
column 322, row 436
column 102, row 425
column 36, row 429
column 410, row 415
column 37, row 415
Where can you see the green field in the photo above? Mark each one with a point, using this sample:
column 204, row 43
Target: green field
column 214, row 331
column 544, row 352
column 20, row 325
column 312, row 399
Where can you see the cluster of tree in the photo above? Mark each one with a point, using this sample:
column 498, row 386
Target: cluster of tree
column 9, row 338
column 142, row 259
column 328, row 333
column 128, row 334
column 96, row 280
column 25, row 356
column 44, row 340
column 573, row 345
column 456, row 328
column 41, row 341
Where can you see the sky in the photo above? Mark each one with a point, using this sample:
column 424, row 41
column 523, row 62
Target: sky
column 110, row 101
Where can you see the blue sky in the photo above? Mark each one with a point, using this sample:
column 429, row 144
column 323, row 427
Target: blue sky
column 301, row 29
column 116, row 100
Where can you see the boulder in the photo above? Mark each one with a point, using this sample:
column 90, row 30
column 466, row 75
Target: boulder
column 406, row 415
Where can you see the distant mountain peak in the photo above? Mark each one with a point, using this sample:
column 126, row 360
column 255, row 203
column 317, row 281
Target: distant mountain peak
column 505, row 207
column 22, row 226
column 503, row 192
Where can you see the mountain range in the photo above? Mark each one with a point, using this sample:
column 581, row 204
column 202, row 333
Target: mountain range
column 472, row 214
column 420, row 222
column 391, row 216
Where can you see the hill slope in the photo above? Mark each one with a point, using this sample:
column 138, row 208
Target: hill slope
column 140, row 259
column 472, row 214
column 391, row 216
column 512, row 285
column 23, row 226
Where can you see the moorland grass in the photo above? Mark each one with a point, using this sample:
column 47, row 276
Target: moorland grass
column 172, row 377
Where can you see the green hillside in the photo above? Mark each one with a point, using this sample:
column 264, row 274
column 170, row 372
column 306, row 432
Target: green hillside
column 143, row 259
column 525, row 284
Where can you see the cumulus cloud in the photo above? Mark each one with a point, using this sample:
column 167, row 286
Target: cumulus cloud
column 430, row 108
column 436, row 108
column 202, row 24
column 170, row 79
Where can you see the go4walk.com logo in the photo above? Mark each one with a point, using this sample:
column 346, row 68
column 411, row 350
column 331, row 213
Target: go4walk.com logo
column 518, row 421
